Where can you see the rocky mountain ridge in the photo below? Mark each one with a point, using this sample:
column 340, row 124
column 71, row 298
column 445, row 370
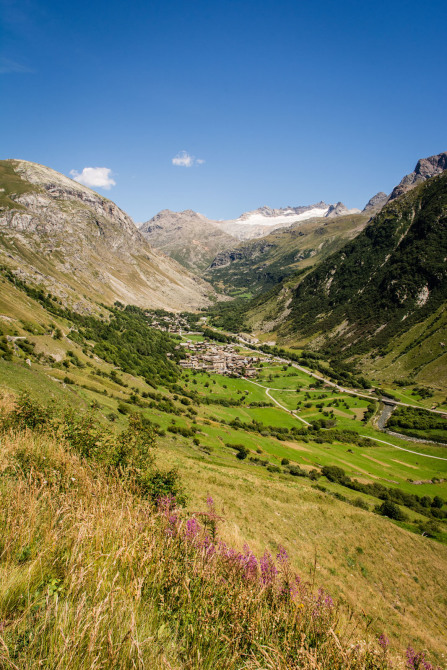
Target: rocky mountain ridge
column 262, row 221
column 425, row 169
column 82, row 246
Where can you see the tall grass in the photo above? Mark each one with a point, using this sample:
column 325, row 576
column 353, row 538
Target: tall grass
column 92, row 575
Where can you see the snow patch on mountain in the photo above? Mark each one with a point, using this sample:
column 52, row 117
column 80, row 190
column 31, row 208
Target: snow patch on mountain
column 289, row 216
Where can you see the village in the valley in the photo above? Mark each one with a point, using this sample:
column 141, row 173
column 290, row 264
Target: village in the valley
column 220, row 358
column 208, row 356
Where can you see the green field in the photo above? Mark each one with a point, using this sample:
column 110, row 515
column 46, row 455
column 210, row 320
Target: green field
column 218, row 412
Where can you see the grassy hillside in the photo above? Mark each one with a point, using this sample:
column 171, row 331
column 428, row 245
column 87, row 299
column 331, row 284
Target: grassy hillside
column 94, row 574
column 381, row 297
column 92, row 570
column 276, row 494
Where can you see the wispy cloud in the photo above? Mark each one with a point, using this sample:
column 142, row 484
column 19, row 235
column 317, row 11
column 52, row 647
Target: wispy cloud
column 8, row 66
column 184, row 159
column 98, row 177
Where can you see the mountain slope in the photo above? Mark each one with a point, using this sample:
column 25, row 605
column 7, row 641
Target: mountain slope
column 188, row 237
column 258, row 265
column 82, row 246
column 388, row 279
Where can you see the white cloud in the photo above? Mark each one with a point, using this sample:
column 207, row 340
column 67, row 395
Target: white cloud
column 98, row 177
column 184, row 159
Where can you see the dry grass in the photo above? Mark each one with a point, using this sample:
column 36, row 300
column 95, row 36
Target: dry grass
column 92, row 576
column 396, row 578
column 72, row 552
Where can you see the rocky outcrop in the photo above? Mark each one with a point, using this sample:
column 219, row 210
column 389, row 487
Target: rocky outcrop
column 242, row 253
column 339, row 210
column 72, row 240
column 425, row 169
column 376, row 203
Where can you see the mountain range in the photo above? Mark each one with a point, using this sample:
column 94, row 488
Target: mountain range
column 368, row 285
column 194, row 240
column 357, row 297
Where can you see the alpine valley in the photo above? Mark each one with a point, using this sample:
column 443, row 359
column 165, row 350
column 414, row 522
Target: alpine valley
column 223, row 444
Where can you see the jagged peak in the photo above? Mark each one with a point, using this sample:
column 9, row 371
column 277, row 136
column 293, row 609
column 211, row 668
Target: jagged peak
column 425, row 169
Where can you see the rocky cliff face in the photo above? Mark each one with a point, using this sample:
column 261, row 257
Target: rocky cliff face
column 425, row 169
column 246, row 253
column 77, row 243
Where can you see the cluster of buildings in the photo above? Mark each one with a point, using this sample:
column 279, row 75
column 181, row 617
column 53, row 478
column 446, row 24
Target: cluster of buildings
column 217, row 358
column 170, row 323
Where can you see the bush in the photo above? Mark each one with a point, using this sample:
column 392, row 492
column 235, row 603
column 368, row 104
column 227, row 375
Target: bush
column 27, row 414
column 296, row 471
column 333, row 473
column 391, row 510
column 273, row 468
column 159, row 484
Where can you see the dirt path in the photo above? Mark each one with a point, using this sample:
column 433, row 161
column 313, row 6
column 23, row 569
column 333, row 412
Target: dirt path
column 267, row 389
column 438, row 458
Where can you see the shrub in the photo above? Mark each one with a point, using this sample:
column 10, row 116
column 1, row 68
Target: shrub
column 333, row 473
column 391, row 510
column 27, row 413
column 273, row 468
column 296, row 471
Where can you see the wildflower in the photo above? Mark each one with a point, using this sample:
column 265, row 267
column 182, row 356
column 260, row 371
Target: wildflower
column 383, row 641
column 192, row 528
column 282, row 555
column 417, row 660
column 329, row 602
column 250, row 562
column 166, row 503
column 268, row 569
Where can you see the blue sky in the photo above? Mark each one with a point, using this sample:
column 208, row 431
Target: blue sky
column 285, row 103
